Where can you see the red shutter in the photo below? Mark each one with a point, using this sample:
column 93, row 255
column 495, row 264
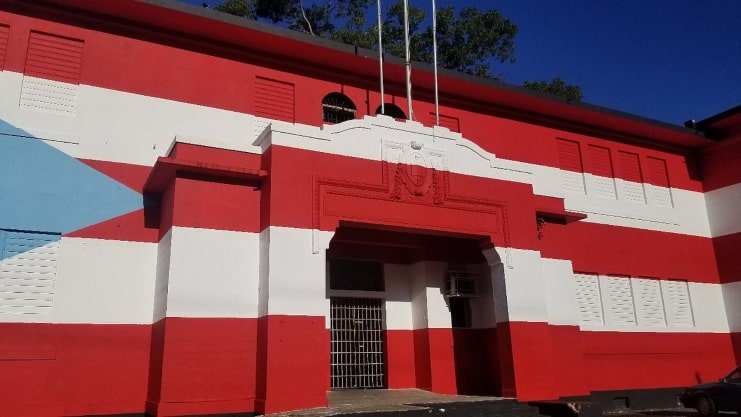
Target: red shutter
column 275, row 99
column 569, row 155
column 54, row 58
column 3, row 44
column 600, row 162
column 630, row 167
column 656, row 172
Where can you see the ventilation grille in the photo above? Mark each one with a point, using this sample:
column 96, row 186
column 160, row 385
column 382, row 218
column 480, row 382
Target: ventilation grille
column 4, row 30
column 28, row 271
column 572, row 170
column 274, row 99
column 649, row 305
column 632, row 186
column 678, row 305
column 603, row 180
column 619, row 300
column 658, row 179
column 52, row 75
column 588, row 300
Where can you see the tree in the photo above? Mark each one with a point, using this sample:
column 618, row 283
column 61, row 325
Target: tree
column 557, row 87
column 469, row 39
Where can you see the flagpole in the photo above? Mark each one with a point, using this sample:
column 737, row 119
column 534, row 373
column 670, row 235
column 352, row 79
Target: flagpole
column 434, row 62
column 408, row 60
column 380, row 56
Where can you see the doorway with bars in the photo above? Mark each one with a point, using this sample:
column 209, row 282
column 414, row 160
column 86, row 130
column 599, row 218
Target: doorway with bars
column 356, row 325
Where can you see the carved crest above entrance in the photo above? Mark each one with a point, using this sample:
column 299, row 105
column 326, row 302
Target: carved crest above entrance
column 418, row 172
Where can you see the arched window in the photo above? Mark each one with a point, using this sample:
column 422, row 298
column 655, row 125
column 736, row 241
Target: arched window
column 337, row 107
column 392, row 110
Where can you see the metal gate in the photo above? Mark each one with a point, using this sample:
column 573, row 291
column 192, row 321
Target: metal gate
column 357, row 343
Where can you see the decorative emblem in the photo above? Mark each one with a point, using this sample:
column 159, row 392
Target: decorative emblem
column 417, row 170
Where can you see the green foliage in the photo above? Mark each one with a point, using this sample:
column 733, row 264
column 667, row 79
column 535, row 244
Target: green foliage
column 241, row 8
column 556, row 87
column 469, row 39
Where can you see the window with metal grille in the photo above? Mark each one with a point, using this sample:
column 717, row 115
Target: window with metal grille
column 392, row 110
column 337, row 108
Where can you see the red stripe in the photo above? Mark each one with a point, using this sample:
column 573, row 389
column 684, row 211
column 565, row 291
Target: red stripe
column 207, row 366
column 73, row 369
column 133, row 176
column 641, row 360
column 144, row 67
column 137, row 226
column 727, row 255
column 614, row 250
column 720, row 165
column 314, row 190
column 293, row 359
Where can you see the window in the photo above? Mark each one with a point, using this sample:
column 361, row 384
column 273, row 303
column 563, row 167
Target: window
column 355, row 275
column 392, row 110
column 337, row 108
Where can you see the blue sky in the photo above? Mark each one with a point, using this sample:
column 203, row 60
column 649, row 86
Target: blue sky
column 669, row 60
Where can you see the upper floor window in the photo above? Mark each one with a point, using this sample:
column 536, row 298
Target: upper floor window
column 337, row 108
column 392, row 110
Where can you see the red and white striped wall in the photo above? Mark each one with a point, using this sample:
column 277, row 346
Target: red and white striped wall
column 212, row 297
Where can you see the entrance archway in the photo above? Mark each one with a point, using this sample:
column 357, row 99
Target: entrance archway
column 423, row 298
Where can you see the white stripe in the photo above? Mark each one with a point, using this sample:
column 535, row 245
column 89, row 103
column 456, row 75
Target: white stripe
column 723, row 210
column 212, row 273
column 138, row 129
column 101, row 282
column 732, row 299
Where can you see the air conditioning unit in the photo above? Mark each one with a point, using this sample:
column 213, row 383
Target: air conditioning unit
column 461, row 284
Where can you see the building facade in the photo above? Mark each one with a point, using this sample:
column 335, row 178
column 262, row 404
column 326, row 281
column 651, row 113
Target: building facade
column 201, row 214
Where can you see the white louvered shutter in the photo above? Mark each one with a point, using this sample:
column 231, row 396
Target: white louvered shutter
column 28, row 271
column 649, row 305
column 617, row 294
column 588, row 300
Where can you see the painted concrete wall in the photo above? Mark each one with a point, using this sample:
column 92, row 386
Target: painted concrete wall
column 220, row 304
